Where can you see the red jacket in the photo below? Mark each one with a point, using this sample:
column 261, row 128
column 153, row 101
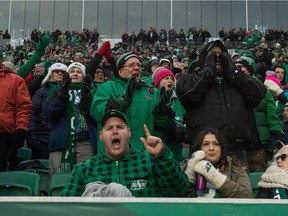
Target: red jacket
column 15, row 102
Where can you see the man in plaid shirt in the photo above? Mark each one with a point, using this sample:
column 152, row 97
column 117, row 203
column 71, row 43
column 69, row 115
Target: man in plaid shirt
column 150, row 173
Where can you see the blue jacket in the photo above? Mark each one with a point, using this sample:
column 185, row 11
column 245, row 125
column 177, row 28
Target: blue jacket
column 56, row 113
column 38, row 129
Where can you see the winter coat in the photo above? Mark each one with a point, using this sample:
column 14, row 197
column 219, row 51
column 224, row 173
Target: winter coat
column 221, row 104
column 56, row 114
column 142, row 175
column 237, row 184
column 16, row 105
column 138, row 113
column 39, row 130
column 267, row 122
column 174, row 138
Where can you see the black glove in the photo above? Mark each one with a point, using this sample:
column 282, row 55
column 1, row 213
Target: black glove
column 64, row 90
column 164, row 98
column 210, row 60
column 164, row 116
column 282, row 98
column 227, row 65
column 260, row 71
column 18, row 138
column 279, row 139
column 126, row 99
column 34, row 145
column 85, row 92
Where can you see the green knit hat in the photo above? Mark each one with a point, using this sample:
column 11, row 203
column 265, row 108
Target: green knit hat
column 249, row 63
column 123, row 58
column 247, row 53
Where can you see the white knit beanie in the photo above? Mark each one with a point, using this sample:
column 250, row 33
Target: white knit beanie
column 55, row 66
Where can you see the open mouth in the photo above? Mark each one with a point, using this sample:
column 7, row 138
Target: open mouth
column 136, row 74
column 116, row 142
column 169, row 86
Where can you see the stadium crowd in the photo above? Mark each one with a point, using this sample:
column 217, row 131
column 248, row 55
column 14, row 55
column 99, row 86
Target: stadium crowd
column 82, row 104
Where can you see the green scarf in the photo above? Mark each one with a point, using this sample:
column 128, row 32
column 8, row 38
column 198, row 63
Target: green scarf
column 68, row 154
column 53, row 87
column 279, row 193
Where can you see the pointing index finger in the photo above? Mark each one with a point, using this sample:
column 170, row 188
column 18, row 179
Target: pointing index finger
column 146, row 130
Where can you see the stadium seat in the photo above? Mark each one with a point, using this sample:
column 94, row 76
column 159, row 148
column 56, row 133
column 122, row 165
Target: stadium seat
column 24, row 154
column 58, row 181
column 19, row 183
column 255, row 177
column 42, row 168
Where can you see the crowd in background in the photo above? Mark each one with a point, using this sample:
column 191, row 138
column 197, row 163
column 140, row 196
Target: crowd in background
column 84, row 56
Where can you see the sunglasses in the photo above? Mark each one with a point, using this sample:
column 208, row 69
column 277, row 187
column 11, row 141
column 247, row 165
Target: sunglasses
column 283, row 157
column 58, row 72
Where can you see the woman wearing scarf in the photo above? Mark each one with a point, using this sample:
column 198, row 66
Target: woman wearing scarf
column 38, row 134
column 274, row 182
column 73, row 135
column 213, row 171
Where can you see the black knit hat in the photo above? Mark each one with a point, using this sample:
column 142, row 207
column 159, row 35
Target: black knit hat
column 207, row 48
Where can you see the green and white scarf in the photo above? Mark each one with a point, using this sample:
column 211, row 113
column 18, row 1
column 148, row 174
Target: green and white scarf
column 68, row 154
column 277, row 179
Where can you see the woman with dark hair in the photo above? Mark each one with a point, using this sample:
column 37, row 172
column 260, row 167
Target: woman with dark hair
column 213, row 171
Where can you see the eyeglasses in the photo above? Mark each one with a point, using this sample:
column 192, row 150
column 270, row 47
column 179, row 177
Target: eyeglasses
column 100, row 72
column 283, row 157
column 132, row 65
column 58, row 71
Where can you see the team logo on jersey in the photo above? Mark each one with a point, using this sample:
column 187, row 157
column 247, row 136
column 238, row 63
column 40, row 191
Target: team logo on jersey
column 138, row 184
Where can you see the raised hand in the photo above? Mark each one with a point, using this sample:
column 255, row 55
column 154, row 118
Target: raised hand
column 153, row 144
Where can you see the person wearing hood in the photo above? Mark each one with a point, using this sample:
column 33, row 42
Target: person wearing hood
column 151, row 67
column 218, row 97
column 38, row 134
column 265, row 127
column 73, row 134
column 141, row 103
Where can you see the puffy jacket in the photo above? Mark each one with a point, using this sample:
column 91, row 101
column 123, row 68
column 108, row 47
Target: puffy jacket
column 267, row 122
column 221, row 104
column 56, row 113
column 15, row 105
column 39, row 130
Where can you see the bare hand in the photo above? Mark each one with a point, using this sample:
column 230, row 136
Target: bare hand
column 153, row 144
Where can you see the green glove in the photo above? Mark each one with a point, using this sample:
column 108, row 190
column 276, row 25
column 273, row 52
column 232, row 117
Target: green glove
column 47, row 64
column 126, row 99
column 44, row 42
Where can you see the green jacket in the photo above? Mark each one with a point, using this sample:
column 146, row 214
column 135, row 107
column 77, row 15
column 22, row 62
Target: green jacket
column 142, row 175
column 266, row 119
column 138, row 113
column 175, row 145
column 29, row 65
